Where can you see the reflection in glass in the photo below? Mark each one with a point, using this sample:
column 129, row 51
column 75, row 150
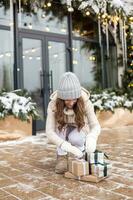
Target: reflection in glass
column 83, row 63
column 57, row 60
column 5, row 17
column 6, row 60
column 32, row 70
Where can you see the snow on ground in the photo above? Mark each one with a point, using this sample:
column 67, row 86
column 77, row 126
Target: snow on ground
column 38, row 139
column 27, row 170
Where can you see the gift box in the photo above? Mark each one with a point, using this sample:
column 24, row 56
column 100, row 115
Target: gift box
column 95, row 158
column 101, row 170
column 78, row 167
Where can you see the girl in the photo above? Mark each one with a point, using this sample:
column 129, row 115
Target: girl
column 71, row 122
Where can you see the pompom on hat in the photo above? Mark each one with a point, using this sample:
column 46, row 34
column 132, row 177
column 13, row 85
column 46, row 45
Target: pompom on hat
column 69, row 87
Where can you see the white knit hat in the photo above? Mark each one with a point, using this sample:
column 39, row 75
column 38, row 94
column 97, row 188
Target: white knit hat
column 69, row 86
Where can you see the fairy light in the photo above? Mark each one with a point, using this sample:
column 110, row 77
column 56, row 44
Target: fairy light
column 87, row 13
column 131, row 18
column 8, row 54
column 104, row 16
column 43, row 15
column 55, row 55
column 26, row 51
column 70, row 9
column 49, row 46
column 63, row 30
column 38, row 58
column 92, row 58
column 30, row 25
column 75, row 62
column 33, row 50
column 47, row 28
column 2, row 55
column 49, row 4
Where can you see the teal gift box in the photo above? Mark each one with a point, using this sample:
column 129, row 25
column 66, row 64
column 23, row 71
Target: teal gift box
column 101, row 170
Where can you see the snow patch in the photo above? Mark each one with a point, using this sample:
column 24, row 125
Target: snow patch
column 38, row 139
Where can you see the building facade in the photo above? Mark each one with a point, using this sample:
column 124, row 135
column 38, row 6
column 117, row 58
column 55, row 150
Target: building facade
column 35, row 50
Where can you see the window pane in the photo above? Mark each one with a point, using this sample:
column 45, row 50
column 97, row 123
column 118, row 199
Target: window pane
column 6, row 60
column 57, row 61
column 32, row 63
column 32, row 71
column 5, row 16
column 43, row 23
column 84, row 61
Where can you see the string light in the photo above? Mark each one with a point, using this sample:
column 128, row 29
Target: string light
column 47, row 28
column 30, row 25
column 49, row 46
column 1, row 56
column 43, row 15
column 33, row 50
column 55, row 55
column 131, row 18
column 70, row 9
column 26, row 51
column 63, row 30
column 92, row 58
column 49, row 4
column 74, row 49
column 38, row 58
column 8, row 54
column 87, row 13
column 75, row 62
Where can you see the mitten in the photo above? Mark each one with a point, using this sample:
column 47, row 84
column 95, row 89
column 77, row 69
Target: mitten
column 90, row 145
column 66, row 146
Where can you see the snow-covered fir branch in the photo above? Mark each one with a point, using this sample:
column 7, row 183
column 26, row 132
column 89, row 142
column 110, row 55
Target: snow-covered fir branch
column 19, row 106
column 110, row 101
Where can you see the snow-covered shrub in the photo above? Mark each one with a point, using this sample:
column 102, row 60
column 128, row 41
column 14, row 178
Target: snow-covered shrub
column 110, row 100
column 21, row 107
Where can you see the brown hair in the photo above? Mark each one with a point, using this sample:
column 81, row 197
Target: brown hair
column 79, row 110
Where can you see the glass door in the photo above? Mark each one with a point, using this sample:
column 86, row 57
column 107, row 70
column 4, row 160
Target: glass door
column 33, row 73
column 43, row 61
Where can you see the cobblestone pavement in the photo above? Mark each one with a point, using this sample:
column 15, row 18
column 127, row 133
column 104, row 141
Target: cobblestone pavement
column 27, row 170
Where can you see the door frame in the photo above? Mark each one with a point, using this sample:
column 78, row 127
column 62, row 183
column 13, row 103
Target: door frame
column 43, row 68
column 44, row 38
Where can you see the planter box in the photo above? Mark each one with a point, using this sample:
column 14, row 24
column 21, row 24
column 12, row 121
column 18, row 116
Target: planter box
column 12, row 128
column 121, row 117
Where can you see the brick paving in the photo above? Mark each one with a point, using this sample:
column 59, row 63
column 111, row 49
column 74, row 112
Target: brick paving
column 27, row 170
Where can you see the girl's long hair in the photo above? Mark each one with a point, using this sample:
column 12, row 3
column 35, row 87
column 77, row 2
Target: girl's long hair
column 79, row 110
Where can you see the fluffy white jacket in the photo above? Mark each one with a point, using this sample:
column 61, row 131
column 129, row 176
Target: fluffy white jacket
column 91, row 128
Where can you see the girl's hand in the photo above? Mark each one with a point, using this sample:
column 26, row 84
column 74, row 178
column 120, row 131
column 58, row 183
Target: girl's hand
column 66, row 146
column 90, row 146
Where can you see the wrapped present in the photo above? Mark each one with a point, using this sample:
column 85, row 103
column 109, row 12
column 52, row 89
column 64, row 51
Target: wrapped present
column 101, row 170
column 95, row 158
column 78, row 167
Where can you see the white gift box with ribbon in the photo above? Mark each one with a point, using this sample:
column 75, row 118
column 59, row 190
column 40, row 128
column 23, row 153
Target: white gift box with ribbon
column 96, row 157
column 101, row 170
